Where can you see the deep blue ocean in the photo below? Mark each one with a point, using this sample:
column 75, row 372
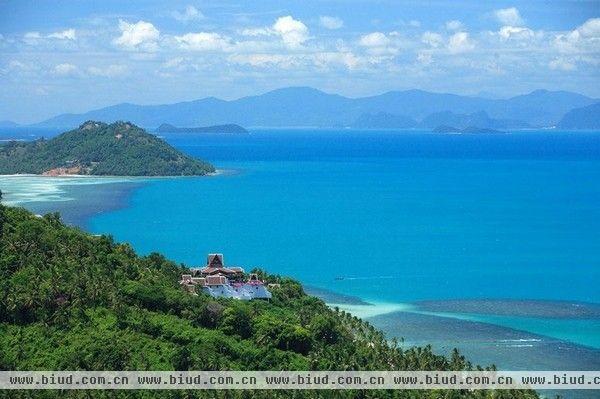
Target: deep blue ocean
column 507, row 226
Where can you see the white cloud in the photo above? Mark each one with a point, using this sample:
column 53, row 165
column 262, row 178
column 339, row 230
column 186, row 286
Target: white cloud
column 36, row 38
column 516, row 32
column 375, row 39
column 425, row 58
column 65, row 70
column 380, row 45
column 190, row 13
column 257, row 32
column 433, row 39
column 68, row 34
column 173, row 63
column 285, row 61
column 177, row 66
column 460, row 43
column 32, row 35
column 584, row 38
column 590, row 28
column 141, row 35
column 414, row 23
column 509, row 16
column 330, row 22
column 14, row 66
column 256, row 46
column 346, row 59
column 292, row 31
column 204, row 41
column 321, row 60
column 562, row 64
column 32, row 38
column 454, row 25
column 110, row 71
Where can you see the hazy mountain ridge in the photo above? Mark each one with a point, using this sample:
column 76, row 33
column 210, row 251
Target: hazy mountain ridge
column 5, row 124
column 462, row 121
column 308, row 107
column 582, row 118
column 384, row 120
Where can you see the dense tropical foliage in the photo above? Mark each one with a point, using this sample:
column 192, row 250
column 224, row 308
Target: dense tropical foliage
column 73, row 301
column 96, row 148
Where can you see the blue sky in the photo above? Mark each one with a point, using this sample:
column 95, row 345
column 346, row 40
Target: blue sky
column 73, row 56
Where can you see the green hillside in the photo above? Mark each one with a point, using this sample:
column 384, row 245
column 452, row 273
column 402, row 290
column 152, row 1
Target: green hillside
column 73, row 301
column 96, row 148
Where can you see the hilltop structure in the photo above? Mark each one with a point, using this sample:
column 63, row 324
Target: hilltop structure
column 224, row 282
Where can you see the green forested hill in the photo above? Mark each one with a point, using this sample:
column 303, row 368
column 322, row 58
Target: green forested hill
column 96, row 148
column 72, row 301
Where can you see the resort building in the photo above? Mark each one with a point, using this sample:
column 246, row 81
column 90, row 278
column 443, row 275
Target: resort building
column 224, row 282
column 215, row 266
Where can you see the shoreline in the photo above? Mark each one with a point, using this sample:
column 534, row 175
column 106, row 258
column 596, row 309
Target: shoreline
column 487, row 343
column 43, row 193
column 482, row 341
column 529, row 320
column 217, row 172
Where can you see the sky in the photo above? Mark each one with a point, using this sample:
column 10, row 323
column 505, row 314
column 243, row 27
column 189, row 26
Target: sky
column 74, row 56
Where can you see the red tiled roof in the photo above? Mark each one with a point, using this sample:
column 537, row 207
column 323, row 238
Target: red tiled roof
column 216, row 280
column 217, row 270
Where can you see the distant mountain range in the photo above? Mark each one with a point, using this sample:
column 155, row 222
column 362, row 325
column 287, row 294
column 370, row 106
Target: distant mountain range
column 479, row 119
column 384, row 120
column 5, row 124
column 308, row 107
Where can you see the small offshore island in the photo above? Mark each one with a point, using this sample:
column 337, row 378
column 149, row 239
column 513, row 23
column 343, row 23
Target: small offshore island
column 100, row 149
column 215, row 129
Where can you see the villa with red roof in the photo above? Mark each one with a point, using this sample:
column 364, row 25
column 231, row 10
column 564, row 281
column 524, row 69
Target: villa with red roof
column 224, row 282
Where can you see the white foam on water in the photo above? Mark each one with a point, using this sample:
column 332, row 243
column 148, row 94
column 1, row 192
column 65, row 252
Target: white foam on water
column 372, row 309
column 19, row 189
column 521, row 340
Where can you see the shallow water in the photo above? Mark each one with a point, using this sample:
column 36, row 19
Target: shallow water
column 488, row 343
column 76, row 198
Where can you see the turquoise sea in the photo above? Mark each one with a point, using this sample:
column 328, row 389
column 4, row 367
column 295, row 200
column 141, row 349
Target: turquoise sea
column 489, row 243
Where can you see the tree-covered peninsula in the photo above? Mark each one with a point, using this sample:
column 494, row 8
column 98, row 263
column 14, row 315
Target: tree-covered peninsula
column 96, row 148
column 73, row 301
